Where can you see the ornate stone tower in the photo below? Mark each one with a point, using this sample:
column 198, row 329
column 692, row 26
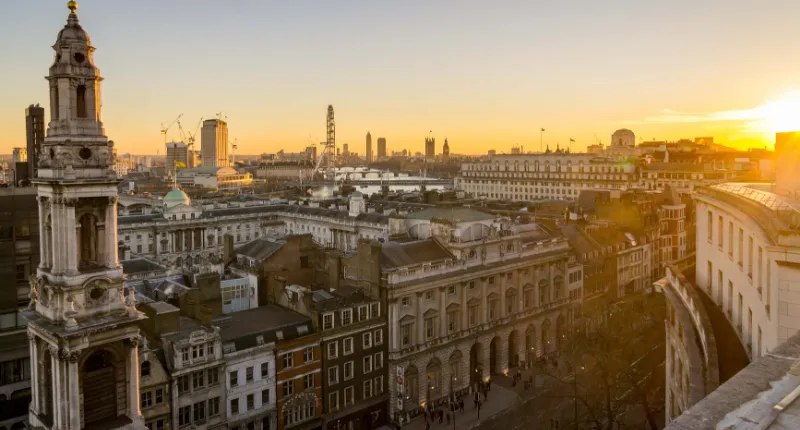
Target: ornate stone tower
column 83, row 331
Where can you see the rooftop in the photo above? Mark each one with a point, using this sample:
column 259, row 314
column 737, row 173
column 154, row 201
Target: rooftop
column 395, row 255
column 259, row 249
column 454, row 214
column 266, row 321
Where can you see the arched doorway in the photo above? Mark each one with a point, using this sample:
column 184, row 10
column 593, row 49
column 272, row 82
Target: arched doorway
column 475, row 363
column 99, row 388
column 433, row 380
column 493, row 359
column 454, row 363
column 545, row 346
column 411, row 387
column 530, row 343
column 513, row 354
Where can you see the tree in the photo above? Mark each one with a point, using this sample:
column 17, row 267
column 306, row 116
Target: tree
column 607, row 375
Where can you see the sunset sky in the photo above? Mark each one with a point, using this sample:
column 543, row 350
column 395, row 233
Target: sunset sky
column 484, row 74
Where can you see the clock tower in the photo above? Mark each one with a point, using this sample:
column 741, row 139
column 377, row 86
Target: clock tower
column 82, row 327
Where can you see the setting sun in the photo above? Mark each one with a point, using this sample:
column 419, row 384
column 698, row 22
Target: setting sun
column 780, row 115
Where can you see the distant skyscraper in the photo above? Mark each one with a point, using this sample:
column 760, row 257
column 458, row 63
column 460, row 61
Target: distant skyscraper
column 381, row 147
column 214, row 143
column 430, row 147
column 34, row 131
column 369, row 148
column 345, row 150
column 177, row 156
column 445, row 151
column 19, row 155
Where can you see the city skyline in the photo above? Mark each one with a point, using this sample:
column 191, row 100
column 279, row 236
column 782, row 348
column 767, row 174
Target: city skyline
column 485, row 79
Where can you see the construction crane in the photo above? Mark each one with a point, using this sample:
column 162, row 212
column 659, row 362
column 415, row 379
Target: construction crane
column 180, row 131
column 234, row 147
column 597, row 139
column 165, row 129
column 191, row 136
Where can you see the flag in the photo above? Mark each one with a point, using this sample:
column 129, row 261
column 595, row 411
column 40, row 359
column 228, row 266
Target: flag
column 180, row 164
column 571, row 139
column 542, row 129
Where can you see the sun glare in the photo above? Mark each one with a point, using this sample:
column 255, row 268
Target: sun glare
column 782, row 114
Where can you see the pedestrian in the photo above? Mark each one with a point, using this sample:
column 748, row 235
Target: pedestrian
column 489, row 385
column 476, row 399
column 427, row 425
column 461, row 404
column 441, row 416
column 448, row 417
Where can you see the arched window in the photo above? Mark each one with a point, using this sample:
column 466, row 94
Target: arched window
column 411, row 382
column 433, row 379
column 145, row 370
column 80, row 94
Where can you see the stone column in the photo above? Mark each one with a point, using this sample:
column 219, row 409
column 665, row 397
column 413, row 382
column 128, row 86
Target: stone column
column 420, row 320
column 464, row 306
column 43, row 260
column 191, row 239
column 395, row 321
column 57, row 233
column 442, row 311
column 484, row 314
column 35, row 401
column 133, row 378
column 58, row 400
column 74, row 404
column 71, row 228
column 112, row 259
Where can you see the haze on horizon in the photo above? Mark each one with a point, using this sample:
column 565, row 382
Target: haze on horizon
column 484, row 77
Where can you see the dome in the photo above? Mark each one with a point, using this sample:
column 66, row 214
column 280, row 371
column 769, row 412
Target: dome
column 176, row 197
column 73, row 32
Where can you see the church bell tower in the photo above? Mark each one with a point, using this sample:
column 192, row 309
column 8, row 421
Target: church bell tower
column 82, row 328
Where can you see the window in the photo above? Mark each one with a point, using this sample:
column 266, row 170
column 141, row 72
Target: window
column 145, row 369
column 750, row 257
column 348, row 370
column 473, row 314
column 760, row 268
column 251, row 402
column 451, row 290
column 213, row 407
column 308, row 354
column 199, row 411
column 264, row 396
column 379, row 360
column 710, row 226
column 183, row 384
column 333, row 350
column 430, row 327
column 333, row 375
column 405, row 334
column 287, row 360
column 185, row 355
column 429, row 295
column 264, row 370
column 362, row 313
column 308, row 381
column 347, row 316
column 234, row 406
column 367, row 388
column 741, row 248
column 452, row 321
column 377, row 337
column 198, row 380
column 720, row 232
column 210, row 348
column 405, row 301
column 288, row 388
column 347, row 346
column 367, row 364
column 146, row 399
column 375, row 310
column 198, row 351
column 248, row 374
column 185, row 416
column 730, row 238
column 333, row 401
column 348, row 396
column 212, row 377
column 493, row 309
column 233, row 377
column 327, row 321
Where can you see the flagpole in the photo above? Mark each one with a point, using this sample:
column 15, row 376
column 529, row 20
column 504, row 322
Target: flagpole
column 541, row 140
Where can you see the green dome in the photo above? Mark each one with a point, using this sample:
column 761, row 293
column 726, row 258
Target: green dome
column 176, row 197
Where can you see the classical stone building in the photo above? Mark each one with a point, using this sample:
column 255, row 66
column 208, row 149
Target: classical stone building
column 551, row 175
column 83, row 330
column 468, row 296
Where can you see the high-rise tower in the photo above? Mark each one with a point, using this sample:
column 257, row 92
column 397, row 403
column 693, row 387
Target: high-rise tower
column 214, row 143
column 82, row 327
column 430, row 148
column 34, row 133
column 369, row 148
column 445, row 151
column 381, row 147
